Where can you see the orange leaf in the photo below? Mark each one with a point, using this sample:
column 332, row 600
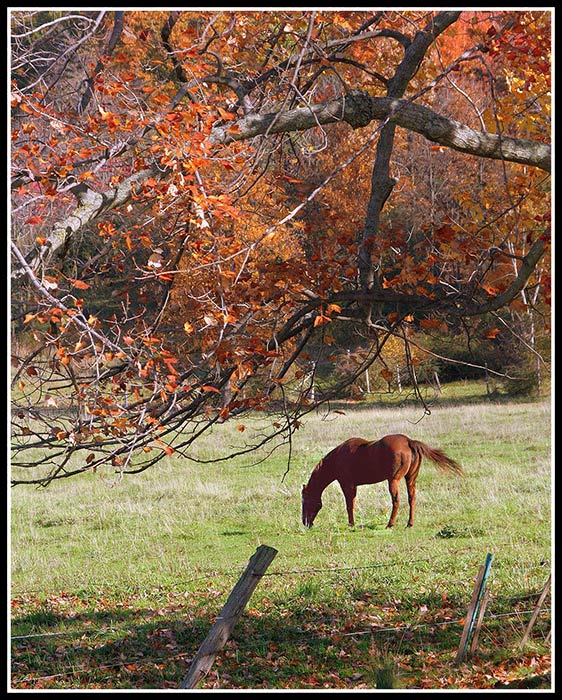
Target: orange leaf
column 226, row 115
column 492, row 333
column 208, row 387
column 518, row 305
column 389, row 283
column 79, row 284
column 167, row 449
column 105, row 115
column 50, row 282
column 320, row 320
column 169, row 364
column 386, row 373
column 430, row 323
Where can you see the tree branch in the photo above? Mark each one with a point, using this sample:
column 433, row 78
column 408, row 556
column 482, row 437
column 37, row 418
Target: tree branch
column 359, row 109
column 114, row 38
column 528, row 264
column 91, row 205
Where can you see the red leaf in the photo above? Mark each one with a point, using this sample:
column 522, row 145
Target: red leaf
column 34, row 220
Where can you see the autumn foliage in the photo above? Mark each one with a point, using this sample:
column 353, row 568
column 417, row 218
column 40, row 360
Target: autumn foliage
column 206, row 206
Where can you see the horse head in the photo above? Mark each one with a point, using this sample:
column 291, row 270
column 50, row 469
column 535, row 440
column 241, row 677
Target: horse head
column 311, row 504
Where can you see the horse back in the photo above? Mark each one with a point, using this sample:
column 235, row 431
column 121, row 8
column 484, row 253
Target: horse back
column 359, row 461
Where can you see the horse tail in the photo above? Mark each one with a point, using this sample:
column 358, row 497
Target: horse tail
column 435, row 455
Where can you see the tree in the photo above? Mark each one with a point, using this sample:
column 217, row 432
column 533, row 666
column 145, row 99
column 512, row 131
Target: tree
column 198, row 210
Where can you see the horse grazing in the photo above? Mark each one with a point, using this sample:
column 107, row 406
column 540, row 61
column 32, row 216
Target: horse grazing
column 357, row 461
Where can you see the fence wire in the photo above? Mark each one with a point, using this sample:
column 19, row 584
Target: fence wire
column 309, row 638
column 306, row 636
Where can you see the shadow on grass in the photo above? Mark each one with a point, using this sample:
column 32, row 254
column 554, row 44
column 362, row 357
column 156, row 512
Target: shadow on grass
column 392, row 402
column 284, row 642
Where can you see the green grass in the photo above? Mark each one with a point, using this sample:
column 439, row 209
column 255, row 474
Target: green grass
column 133, row 573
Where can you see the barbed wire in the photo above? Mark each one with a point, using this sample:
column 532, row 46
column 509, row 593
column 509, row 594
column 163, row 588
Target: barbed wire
column 373, row 630
column 100, row 586
column 104, row 667
column 101, row 630
column 213, row 574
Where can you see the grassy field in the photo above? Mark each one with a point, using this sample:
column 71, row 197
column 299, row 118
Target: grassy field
column 115, row 584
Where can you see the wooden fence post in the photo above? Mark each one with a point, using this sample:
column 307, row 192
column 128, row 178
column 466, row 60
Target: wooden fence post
column 233, row 608
column 472, row 612
column 535, row 612
column 478, row 623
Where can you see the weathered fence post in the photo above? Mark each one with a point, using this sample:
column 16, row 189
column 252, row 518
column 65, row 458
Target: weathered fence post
column 535, row 612
column 233, row 608
column 472, row 612
column 478, row 623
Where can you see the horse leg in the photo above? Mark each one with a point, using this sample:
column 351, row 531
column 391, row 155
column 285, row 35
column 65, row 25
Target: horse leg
column 350, row 492
column 411, row 485
column 395, row 495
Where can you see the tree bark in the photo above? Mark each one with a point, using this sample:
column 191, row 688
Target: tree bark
column 382, row 183
column 359, row 109
column 91, row 205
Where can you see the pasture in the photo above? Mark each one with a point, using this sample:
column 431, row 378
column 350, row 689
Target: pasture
column 116, row 583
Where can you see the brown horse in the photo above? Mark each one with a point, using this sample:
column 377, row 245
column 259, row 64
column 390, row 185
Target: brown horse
column 357, row 461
